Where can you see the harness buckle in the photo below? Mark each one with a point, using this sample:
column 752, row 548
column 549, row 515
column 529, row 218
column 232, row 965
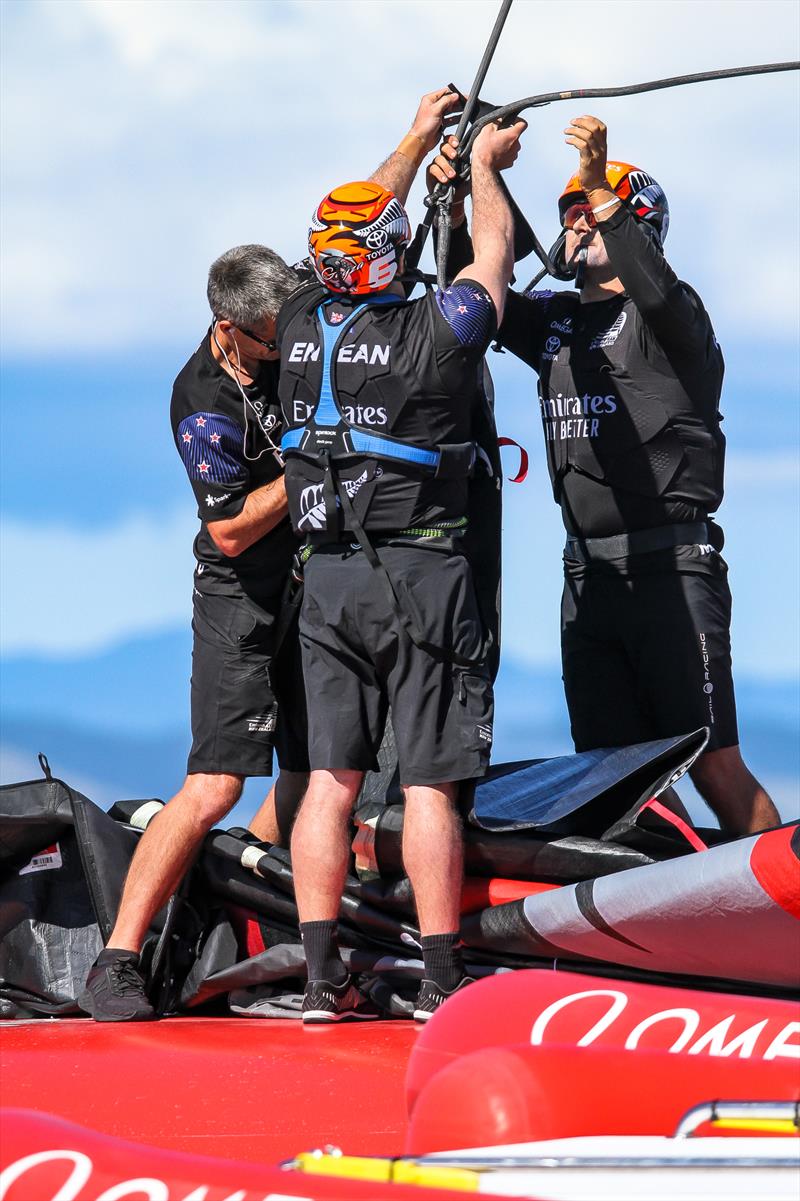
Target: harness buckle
column 456, row 461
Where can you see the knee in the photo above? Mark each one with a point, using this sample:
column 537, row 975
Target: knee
column 424, row 797
column 210, row 796
column 332, row 791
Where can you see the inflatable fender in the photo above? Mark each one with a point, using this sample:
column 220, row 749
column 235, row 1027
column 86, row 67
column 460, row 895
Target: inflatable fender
column 518, row 1094
column 729, row 913
column 538, row 1007
column 517, row 855
column 49, row 1159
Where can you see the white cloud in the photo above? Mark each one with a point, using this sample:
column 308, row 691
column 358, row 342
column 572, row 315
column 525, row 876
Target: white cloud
column 140, row 139
column 65, row 591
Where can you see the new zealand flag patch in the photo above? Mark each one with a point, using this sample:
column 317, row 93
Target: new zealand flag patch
column 211, row 448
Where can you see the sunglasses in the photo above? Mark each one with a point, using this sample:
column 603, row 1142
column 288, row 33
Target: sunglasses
column 271, row 345
column 575, row 212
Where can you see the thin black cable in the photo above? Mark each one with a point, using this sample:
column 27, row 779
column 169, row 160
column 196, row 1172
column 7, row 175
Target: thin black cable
column 441, row 197
column 634, row 89
column 443, row 193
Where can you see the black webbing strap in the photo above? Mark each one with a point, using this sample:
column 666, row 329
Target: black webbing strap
column 290, row 602
column 637, row 542
column 407, row 620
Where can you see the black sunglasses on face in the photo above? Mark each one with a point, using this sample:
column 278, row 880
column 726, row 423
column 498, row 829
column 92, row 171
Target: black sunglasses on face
column 271, row 345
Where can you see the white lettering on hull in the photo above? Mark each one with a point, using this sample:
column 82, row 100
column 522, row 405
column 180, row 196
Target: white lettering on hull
column 715, row 1041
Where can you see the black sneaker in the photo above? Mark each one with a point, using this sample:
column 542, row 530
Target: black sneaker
column 432, row 997
column 115, row 990
column 326, row 1002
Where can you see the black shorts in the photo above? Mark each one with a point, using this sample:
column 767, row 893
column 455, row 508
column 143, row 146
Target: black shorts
column 358, row 663
column 244, row 704
column 647, row 656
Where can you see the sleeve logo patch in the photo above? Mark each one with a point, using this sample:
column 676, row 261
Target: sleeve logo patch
column 609, row 336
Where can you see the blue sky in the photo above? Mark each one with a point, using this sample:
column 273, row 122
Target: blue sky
column 139, row 140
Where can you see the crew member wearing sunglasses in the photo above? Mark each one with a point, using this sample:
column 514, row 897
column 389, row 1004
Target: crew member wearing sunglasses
column 630, row 376
column 247, row 695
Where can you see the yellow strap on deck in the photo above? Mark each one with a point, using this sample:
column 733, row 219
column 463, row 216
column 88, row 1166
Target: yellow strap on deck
column 761, row 1125
column 395, row 1171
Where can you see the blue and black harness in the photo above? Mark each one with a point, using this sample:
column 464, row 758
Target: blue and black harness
column 329, row 438
column 328, row 435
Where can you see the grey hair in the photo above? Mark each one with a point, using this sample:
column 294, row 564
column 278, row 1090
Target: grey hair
column 249, row 283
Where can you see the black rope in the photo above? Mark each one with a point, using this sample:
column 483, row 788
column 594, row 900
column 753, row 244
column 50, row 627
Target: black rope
column 634, row 89
column 440, row 199
column 444, row 199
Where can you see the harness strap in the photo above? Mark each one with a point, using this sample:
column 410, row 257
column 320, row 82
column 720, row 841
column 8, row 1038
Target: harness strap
column 445, row 530
column 291, row 598
column 522, row 472
column 448, row 461
column 407, row 620
column 691, row 835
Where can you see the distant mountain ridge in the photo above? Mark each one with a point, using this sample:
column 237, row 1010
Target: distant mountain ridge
column 117, row 723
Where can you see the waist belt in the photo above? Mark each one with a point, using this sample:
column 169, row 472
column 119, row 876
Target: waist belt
column 443, row 529
column 639, row 542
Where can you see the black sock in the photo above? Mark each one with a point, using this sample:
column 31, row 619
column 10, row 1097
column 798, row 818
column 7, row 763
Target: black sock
column 321, row 945
column 442, row 959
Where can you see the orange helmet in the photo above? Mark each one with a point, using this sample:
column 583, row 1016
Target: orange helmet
column 356, row 237
column 638, row 189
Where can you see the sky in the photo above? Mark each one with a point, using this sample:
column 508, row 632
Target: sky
column 139, row 140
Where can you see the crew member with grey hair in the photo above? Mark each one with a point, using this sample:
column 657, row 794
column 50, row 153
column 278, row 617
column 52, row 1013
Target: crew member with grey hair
column 247, row 692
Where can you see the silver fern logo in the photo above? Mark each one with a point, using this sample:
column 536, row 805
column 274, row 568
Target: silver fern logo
column 312, row 506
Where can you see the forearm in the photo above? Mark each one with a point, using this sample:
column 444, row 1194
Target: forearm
column 492, row 223
column 398, row 172
column 263, row 509
column 664, row 302
column 492, row 235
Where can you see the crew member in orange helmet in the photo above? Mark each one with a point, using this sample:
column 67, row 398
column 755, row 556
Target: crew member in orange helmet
column 630, row 376
column 379, row 401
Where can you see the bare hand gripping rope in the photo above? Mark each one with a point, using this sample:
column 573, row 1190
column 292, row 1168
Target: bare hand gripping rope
column 440, row 199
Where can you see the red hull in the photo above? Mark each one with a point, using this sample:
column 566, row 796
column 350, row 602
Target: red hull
column 46, row 1159
column 251, row 1089
column 571, row 1009
column 519, row 1094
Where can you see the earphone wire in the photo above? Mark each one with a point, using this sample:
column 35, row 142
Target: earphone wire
column 246, row 401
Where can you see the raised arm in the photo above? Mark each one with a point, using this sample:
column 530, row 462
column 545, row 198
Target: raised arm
column 399, row 170
column 669, row 307
column 492, row 222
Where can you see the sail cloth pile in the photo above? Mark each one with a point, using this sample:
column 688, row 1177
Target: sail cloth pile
column 575, row 860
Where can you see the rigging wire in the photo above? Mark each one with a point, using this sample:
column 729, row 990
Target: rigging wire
column 440, row 199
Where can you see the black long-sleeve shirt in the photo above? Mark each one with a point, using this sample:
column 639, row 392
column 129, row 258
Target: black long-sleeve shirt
column 628, row 390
